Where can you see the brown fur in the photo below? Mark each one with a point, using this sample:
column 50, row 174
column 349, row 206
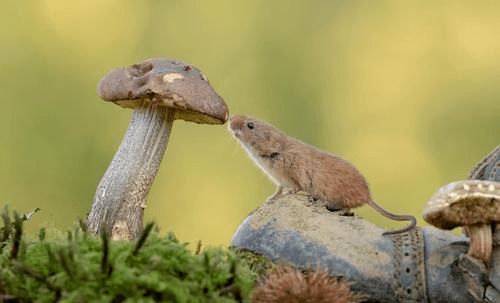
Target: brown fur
column 294, row 164
column 286, row 284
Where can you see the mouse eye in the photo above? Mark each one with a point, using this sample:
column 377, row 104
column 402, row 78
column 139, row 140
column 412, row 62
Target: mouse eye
column 250, row 125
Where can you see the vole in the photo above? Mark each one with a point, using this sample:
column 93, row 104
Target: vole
column 293, row 164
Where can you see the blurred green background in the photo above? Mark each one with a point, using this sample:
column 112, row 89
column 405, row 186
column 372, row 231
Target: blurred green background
column 407, row 90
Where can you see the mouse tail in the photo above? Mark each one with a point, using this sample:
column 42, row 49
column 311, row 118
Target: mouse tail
column 392, row 216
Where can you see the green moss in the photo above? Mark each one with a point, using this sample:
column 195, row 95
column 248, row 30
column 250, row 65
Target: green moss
column 258, row 264
column 84, row 268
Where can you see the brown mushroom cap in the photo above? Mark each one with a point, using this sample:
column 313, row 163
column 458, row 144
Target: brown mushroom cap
column 464, row 203
column 168, row 83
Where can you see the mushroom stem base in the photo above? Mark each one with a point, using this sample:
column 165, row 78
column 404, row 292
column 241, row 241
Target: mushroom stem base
column 120, row 198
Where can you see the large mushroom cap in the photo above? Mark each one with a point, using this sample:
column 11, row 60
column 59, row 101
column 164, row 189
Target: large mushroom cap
column 464, row 203
column 168, row 83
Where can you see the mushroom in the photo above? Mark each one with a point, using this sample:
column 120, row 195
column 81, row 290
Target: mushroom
column 159, row 90
column 472, row 204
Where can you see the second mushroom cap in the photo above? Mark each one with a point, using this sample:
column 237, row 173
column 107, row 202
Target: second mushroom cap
column 464, row 203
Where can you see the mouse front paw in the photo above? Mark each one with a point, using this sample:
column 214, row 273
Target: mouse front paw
column 312, row 199
column 271, row 200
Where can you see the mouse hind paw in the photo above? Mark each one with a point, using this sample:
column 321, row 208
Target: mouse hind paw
column 340, row 209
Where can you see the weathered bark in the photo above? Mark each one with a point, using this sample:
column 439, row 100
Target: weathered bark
column 120, row 198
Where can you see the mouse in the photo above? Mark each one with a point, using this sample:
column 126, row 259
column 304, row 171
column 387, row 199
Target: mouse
column 298, row 166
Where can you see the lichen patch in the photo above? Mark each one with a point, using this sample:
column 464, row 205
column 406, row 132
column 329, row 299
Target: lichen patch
column 169, row 78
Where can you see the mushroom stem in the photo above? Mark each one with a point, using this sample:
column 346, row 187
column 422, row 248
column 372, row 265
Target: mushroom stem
column 120, row 198
column 481, row 243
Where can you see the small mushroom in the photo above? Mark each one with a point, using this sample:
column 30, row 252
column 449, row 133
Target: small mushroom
column 472, row 204
column 159, row 90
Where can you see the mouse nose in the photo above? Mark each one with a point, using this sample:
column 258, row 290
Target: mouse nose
column 234, row 122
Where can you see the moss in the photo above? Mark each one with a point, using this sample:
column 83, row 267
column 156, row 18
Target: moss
column 258, row 264
column 84, row 268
